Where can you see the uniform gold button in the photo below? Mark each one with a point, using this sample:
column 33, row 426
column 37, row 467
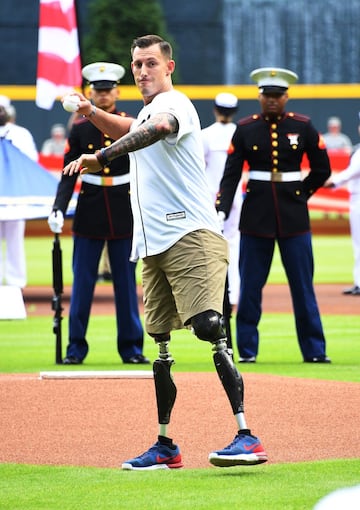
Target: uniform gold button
column 274, row 143
column 297, row 192
column 275, row 153
column 274, row 135
column 294, row 147
column 273, row 126
column 274, row 170
column 107, row 143
column 255, row 147
column 106, row 170
column 275, row 162
column 90, row 146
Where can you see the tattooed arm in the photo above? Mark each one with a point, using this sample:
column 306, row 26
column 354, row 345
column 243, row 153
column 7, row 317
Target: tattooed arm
column 157, row 128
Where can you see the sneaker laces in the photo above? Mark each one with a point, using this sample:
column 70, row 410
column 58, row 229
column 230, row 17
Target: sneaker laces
column 150, row 450
column 236, row 440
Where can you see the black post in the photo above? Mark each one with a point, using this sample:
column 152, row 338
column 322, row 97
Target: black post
column 227, row 312
column 57, row 297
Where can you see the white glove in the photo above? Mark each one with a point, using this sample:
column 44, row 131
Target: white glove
column 221, row 219
column 56, row 221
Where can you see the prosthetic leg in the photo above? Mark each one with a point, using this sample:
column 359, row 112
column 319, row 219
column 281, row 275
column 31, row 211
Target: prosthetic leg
column 208, row 326
column 164, row 385
column 245, row 449
column 164, row 454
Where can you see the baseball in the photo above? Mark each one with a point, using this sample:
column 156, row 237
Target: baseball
column 71, row 103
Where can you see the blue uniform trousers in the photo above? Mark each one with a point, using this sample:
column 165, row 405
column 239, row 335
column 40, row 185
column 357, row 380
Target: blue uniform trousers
column 256, row 254
column 86, row 257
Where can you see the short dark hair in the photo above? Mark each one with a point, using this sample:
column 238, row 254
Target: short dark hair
column 227, row 112
column 148, row 40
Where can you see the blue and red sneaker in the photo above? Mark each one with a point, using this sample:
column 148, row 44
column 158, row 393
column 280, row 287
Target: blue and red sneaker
column 245, row 450
column 159, row 456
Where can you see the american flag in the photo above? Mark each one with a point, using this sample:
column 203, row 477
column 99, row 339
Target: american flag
column 59, row 64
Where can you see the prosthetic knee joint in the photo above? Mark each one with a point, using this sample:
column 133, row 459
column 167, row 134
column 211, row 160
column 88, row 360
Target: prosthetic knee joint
column 208, row 326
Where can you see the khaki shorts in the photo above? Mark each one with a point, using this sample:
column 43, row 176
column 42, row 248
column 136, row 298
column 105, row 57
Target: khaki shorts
column 187, row 279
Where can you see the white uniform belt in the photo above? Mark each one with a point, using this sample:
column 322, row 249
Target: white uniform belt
column 104, row 180
column 259, row 175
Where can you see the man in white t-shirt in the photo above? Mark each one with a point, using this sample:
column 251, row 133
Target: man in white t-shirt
column 177, row 234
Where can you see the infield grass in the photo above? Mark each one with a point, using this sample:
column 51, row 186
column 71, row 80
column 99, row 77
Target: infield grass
column 266, row 487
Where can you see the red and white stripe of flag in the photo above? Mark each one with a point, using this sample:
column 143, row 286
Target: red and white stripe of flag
column 59, row 65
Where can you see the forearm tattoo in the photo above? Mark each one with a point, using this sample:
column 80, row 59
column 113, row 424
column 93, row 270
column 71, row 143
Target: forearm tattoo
column 151, row 131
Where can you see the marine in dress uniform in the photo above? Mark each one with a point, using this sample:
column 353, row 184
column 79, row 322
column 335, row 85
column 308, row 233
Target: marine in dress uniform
column 103, row 214
column 273, row 143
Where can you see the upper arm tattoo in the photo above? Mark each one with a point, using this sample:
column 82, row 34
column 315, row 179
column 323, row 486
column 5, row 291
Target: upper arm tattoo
column 152, row 130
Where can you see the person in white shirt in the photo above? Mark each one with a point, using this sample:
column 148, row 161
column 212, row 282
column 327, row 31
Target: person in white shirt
column 12, row 232
column 216, row 141
column 178, row 236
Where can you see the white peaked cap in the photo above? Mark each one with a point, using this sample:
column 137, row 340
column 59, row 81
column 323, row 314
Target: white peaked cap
column 273, row 79
column 226, row 100
column 103, row 74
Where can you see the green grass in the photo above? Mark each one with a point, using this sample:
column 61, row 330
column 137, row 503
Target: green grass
column 279, row 352
column 269, row 487
column 28, row 346
column 333, row 260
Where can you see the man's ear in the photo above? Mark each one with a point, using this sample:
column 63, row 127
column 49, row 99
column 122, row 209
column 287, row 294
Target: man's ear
column 171, row 66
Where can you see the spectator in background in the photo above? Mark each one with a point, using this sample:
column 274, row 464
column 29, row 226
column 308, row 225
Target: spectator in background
column 12, row 232
column 216, row 141
column 334, row 139
column 351, row 177
column 55, row 146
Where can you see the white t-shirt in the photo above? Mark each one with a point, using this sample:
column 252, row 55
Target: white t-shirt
column 170, row 196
